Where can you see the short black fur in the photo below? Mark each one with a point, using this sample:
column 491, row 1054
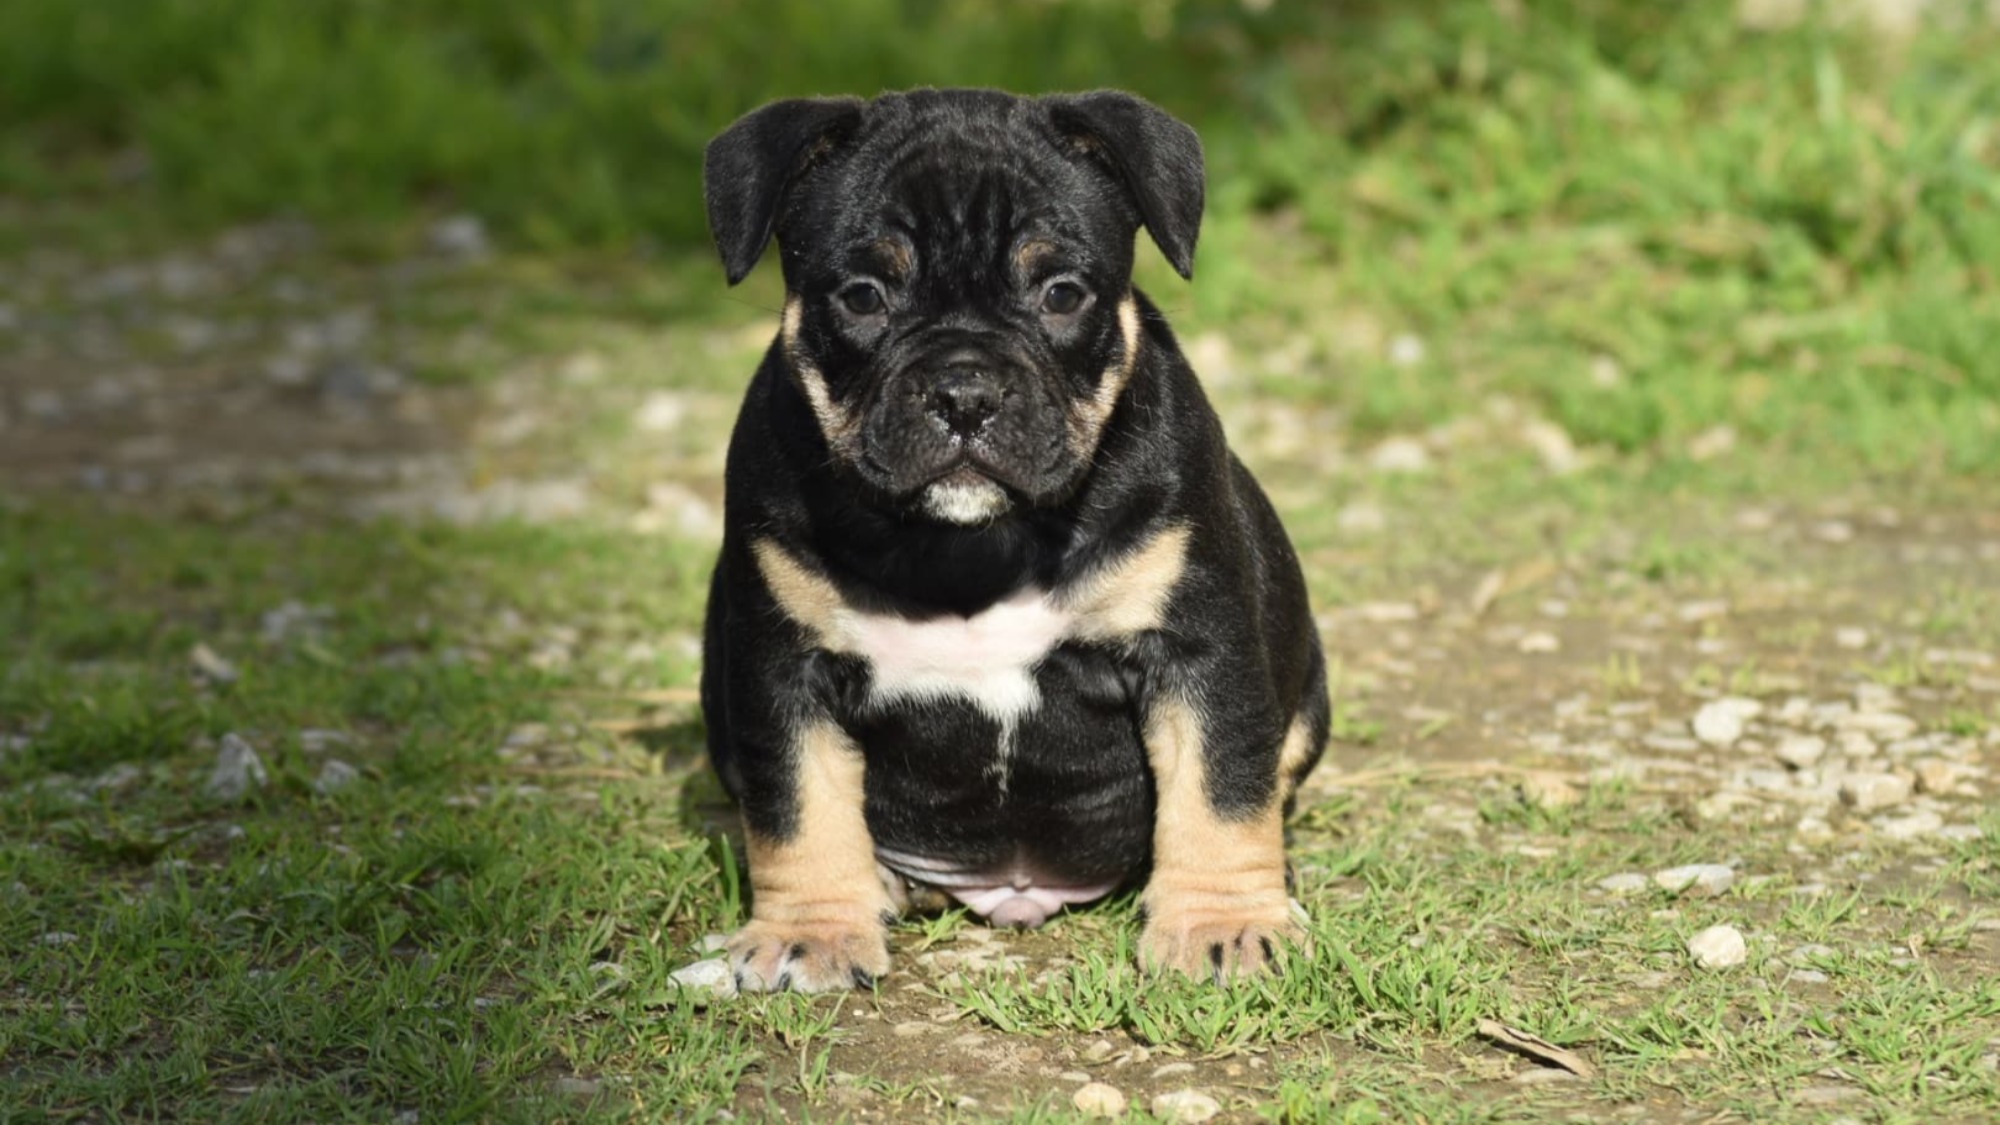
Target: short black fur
column 961, row 209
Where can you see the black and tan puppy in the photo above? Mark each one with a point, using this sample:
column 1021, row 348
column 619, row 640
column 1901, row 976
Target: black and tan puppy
column 998, row 614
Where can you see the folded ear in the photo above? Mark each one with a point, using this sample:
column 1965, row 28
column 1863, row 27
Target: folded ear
column 1153, row 152
column 748, row 167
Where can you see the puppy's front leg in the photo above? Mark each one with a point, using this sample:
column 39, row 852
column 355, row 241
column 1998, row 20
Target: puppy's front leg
column 818, row 908
column 1216, row 904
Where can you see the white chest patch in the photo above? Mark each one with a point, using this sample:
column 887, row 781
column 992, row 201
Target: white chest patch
column 988, row 659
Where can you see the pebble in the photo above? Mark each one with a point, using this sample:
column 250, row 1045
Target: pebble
column 212, row 667
column 237, row 770
column 334, row 776
column 59, row 937
column 1361, row 518
column 1911, row 826
column 1720, row 722
column 1697, row 880
column 1851, row 637
column 1185, row 1105
column 1539, row 642
column 711, row 976
column 1868, row 792
column 1961, row 833
column 1627, row 883
column 1934, row 775
column 460, row 236
column 1173, row 1070
column 1718, row 947
column 1801, row 751
column 1400, row 455
column 1807, row 976
column 1881, row 724
column 579, row 1087
column 1549, row 792
column 1811, row 951
column 1098, row 1099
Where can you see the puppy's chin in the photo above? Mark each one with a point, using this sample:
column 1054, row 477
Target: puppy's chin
column 965, row 498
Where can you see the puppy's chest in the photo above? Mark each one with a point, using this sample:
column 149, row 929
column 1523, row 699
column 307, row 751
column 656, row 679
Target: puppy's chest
column 987, row 659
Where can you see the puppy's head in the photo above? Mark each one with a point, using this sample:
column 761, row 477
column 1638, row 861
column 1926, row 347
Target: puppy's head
column 959, row 309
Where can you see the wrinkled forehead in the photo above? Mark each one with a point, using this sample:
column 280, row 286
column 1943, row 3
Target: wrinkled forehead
column 966, row 191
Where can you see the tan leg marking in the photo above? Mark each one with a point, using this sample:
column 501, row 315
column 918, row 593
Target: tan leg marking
column 1129, row 596
column 817, row 903
column 1088, row 416
column 1216, row 905
column 838, row 426
column 1293, row 754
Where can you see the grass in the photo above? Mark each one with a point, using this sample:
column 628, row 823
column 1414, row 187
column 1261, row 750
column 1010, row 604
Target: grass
column 1745, row 274
column 482, row 926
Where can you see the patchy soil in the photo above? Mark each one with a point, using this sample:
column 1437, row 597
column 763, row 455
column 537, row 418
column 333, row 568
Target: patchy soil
column 1797, row 699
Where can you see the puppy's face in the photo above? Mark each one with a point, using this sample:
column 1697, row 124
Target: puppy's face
column 959, row 312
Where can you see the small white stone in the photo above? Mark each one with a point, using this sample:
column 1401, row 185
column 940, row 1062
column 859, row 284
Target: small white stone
column 1811, row 951
column 1400, row 455
column 1185, row 1105
column 1833, row 531
column 1937, row 776
column 1361, row 518
column 1539, row 642
column 1719, row 947
column 58, row 937
column 1626, row 883
column 1961, row 833
column 212, row 667
column 1406, row 350
column 712, row 943
column 1697, row 880
column 1851, row 637
column 1801, row 751
column 1885, row 725
column 1911, row 826
column 237, row 770
column 1720, row 722
column 334, row 776
column 1099, row 1099
column 1546, row 791
column 713, row 977
column 1868, row 792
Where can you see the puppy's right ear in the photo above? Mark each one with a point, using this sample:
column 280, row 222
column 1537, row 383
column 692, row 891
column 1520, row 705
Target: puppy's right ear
column 748, row 167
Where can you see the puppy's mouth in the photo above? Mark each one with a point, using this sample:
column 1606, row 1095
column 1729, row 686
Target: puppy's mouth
column 966, row 496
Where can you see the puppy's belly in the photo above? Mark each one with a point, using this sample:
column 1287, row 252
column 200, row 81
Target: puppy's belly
column 1066, row 821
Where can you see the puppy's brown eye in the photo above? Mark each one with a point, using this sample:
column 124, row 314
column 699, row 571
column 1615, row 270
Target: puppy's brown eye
column 1062, row 298
column 862, row 299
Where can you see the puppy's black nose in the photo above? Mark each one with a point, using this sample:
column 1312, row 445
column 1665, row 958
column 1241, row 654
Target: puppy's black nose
column 964, row 397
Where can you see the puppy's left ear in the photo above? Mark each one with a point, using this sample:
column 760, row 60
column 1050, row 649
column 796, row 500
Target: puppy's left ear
column 748, row 167
column 1157, row 156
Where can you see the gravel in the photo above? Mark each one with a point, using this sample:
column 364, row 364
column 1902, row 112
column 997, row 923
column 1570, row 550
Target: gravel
column 1720, row 722
column 1697, row 880
column 1627, row 883
column 1185, row 1105
column 1870, row 792
column 1098, row 1099
column 711, row 976
column 334, row 776
column 1718, row 947
column 237, row 770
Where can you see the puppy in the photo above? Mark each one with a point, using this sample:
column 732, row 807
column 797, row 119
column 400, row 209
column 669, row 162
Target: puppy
column 998, row 615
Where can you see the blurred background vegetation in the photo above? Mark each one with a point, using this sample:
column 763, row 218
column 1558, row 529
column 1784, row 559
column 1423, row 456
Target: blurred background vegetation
column 1650, row 219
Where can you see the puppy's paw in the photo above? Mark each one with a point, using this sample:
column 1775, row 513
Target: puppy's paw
column 817, row 956
column 1220, row 942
